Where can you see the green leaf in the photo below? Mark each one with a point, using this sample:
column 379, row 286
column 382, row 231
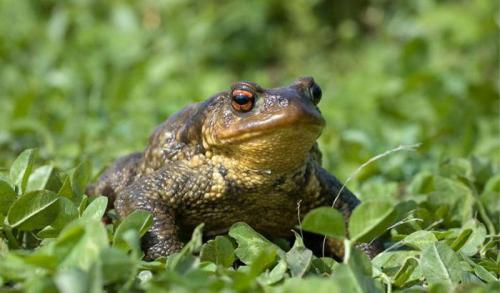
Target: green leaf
column 96, row 209
column 299, row 258
column 489, row 199
column 275, row 275
column 73, row 280
column 370, row 219
column 186, row 264
column 322, row 265
column 313, row 284
column 452, row 201
column 219, row 251
column 194, row 245
column 132, row 241
column 80, row 243
column 262, row 261
column 39, row 178
column 391, row 261
column 358, row 262
column 83, row 203
column 475, row 241
column 80, row 177
column 325, row 221
column 440, row 288
column 405, row 272
column 422, row 183
column 490, row 264
column 420, row 239
column 43, row 258
column 65, row 190
column 183, row 261
column 456, row 168
column 7, row 197
column 40, row 284
column 484, row 274
column 13, row 267
column 67, row 213
column 116, row 265
column 138, row 220
column 440, row 264
column 20, row 170
column 95, row 277
column 250, row 243
column 482, row 169
column 493, row 184
column 349, row 280
column 33, row 210
column 462, row 238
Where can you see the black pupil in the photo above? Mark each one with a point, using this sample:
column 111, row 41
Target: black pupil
column 241, row 99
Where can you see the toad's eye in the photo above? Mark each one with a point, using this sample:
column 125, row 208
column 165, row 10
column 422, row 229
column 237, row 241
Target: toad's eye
column 242, row 100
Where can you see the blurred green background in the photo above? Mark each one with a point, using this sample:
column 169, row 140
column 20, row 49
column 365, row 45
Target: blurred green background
column 89, row 80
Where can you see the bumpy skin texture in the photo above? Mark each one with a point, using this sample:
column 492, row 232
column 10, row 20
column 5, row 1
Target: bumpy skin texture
column 248, row 154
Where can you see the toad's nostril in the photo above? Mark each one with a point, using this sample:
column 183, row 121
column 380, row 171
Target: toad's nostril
column 315, row 93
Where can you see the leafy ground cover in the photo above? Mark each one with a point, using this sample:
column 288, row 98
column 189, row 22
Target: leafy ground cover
column 443, row 236
column 83, row 82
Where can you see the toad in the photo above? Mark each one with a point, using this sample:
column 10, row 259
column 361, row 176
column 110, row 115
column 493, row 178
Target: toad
column 248, row 154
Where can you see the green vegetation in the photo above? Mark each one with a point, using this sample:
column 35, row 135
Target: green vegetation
column 84, row 82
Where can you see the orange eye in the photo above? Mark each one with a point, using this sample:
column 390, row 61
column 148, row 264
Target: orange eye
column 242, row 100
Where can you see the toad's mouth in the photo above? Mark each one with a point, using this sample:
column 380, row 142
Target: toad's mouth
column 297, row 119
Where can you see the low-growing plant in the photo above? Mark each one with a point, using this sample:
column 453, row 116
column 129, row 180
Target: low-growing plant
column 441, row 236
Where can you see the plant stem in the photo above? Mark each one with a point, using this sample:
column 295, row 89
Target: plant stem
column 347, row 250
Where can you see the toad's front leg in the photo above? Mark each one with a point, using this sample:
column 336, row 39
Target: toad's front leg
column 161, row 193
column 345, row 201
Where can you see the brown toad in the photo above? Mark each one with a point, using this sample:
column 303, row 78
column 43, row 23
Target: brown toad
column 247, row 154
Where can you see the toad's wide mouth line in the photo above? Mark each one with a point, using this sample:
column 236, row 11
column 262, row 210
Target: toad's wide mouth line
column 298, row 123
